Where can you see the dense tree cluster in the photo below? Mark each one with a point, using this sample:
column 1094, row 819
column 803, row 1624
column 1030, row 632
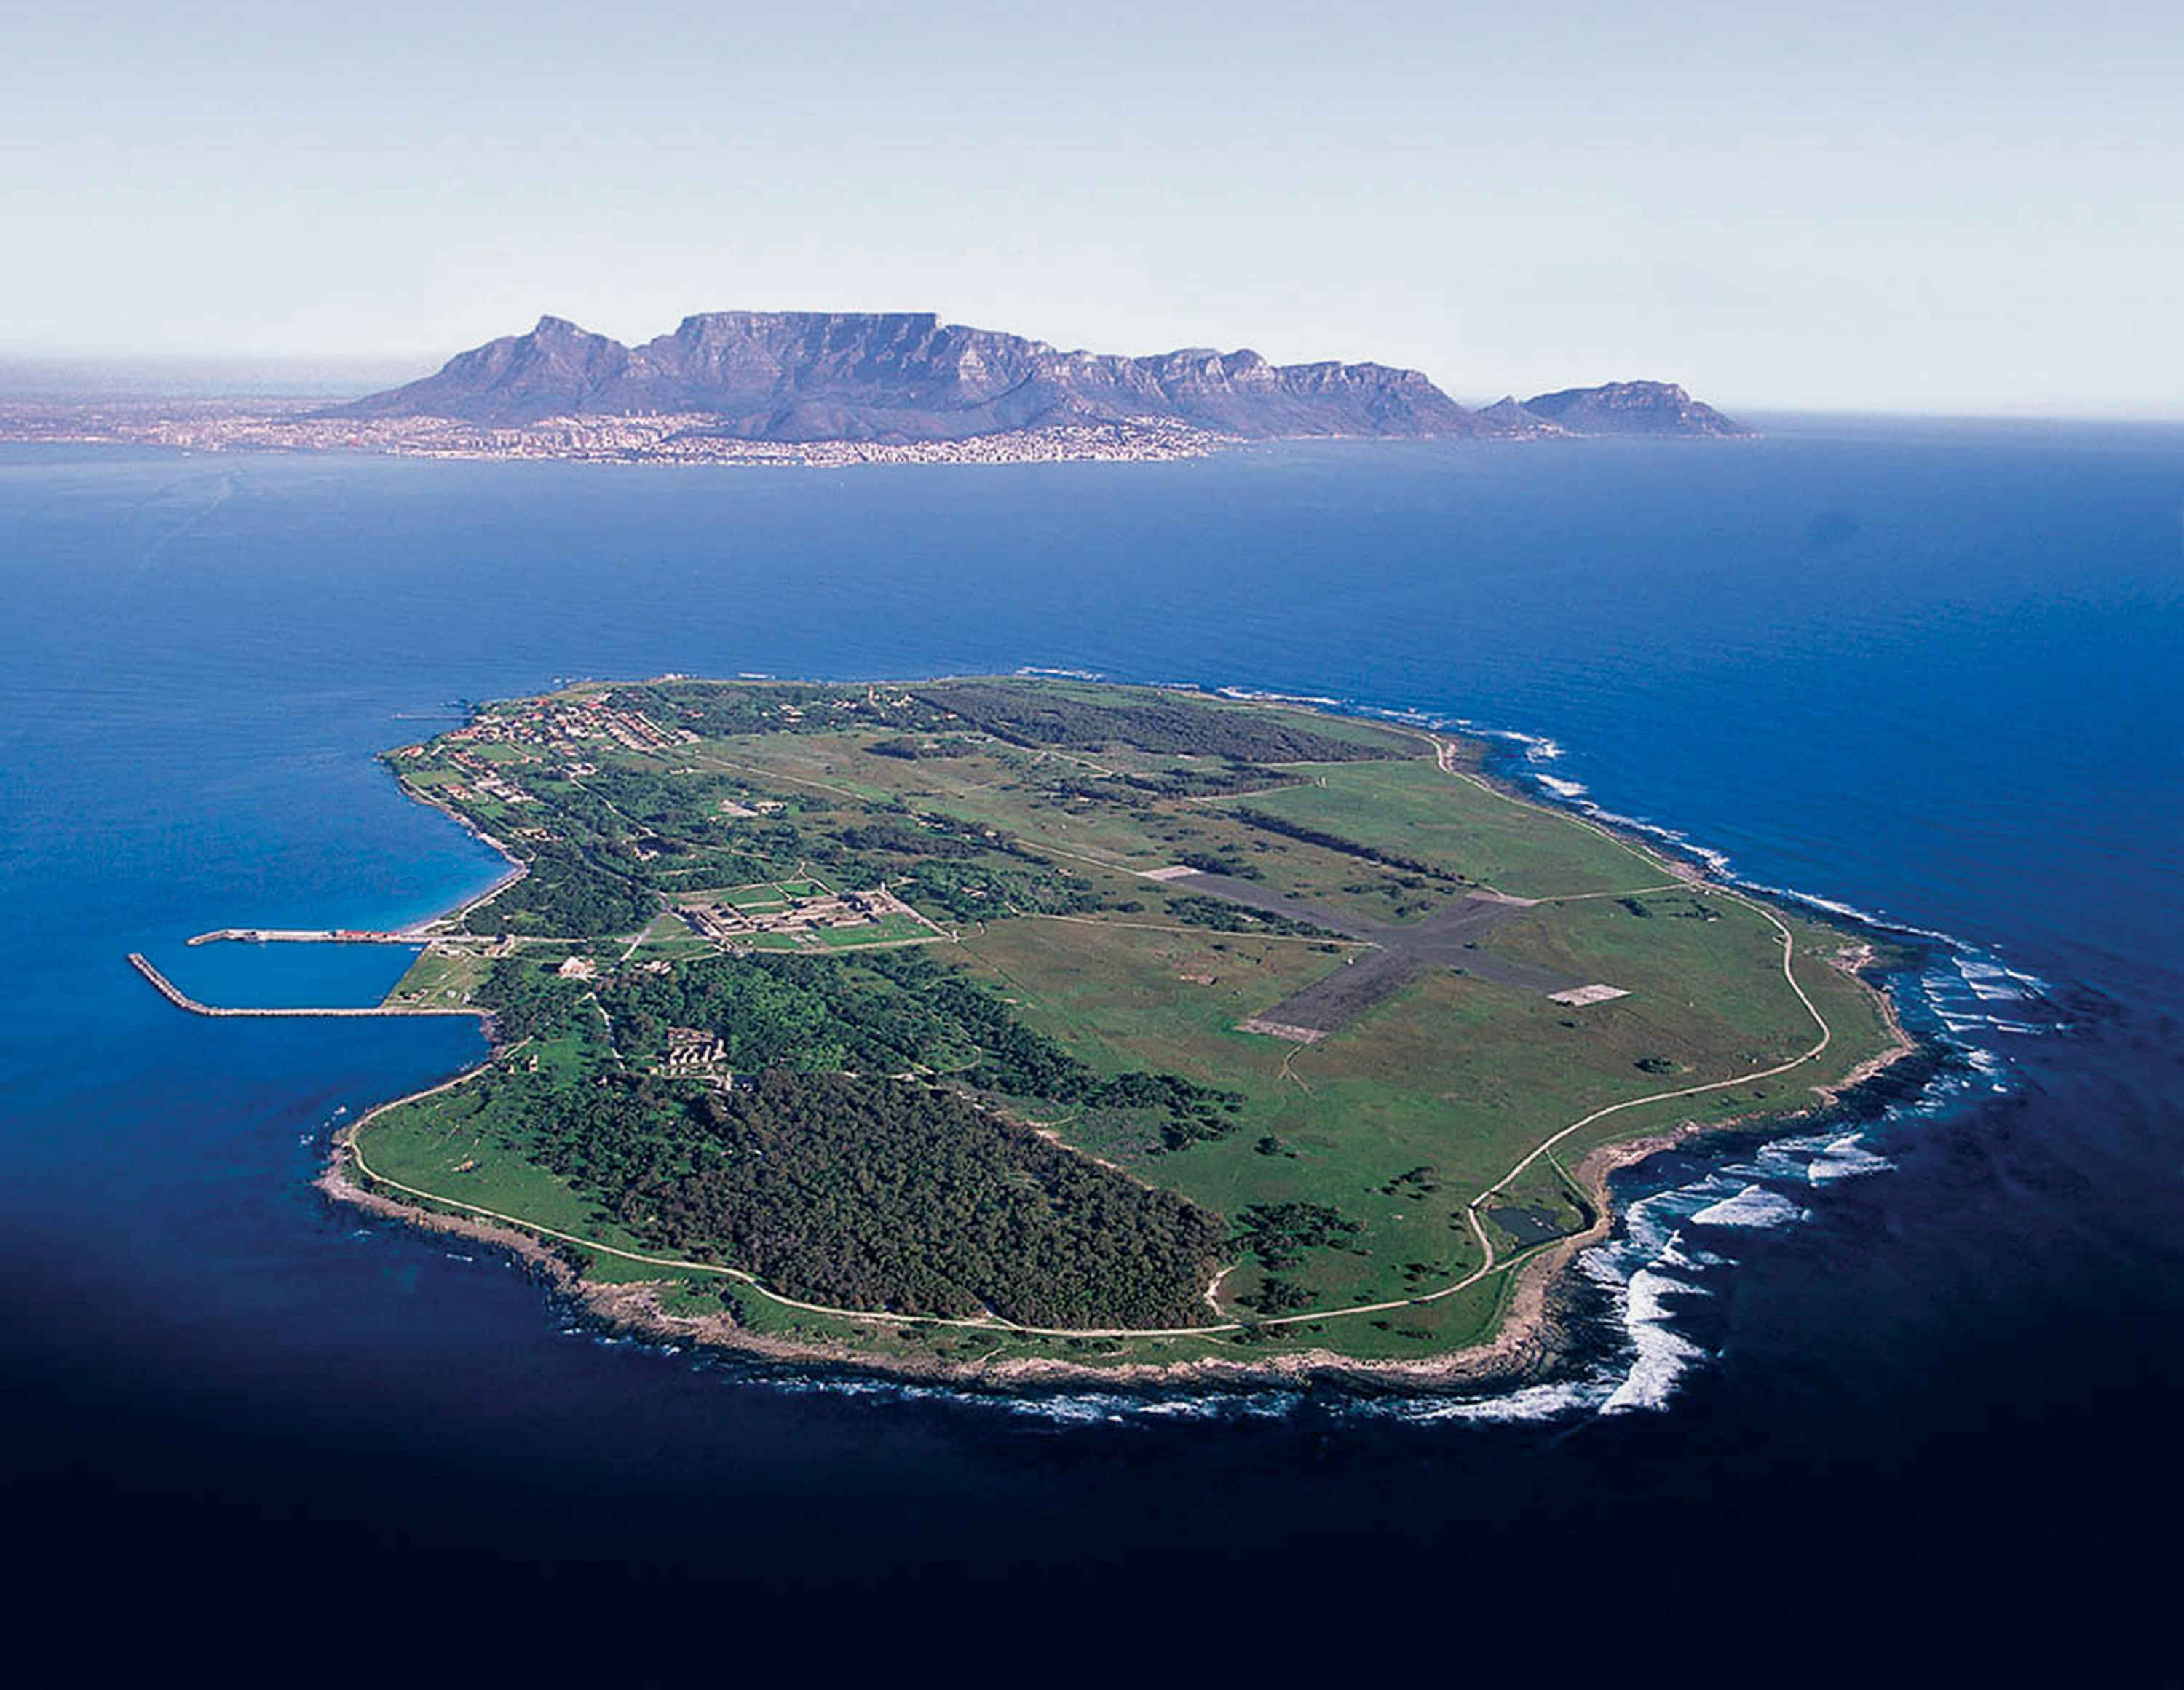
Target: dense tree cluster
column 718, row 708
column 1688, row 908
column 1021, row 1062
column 1277, row 1296
column 1267, row 822
column 808, row 1013
column 910, row 748
column 869, row 1193
column 900, row 836
column 529, row 1000
column 1416, row 1183
column 1034, row 716
column 566, row 892
column 1225, row 863
column 976, row 889
column 878, row 1012
column 1279, row 1233
column 1223, row 917
column 832, row 1172
column 1232, row 775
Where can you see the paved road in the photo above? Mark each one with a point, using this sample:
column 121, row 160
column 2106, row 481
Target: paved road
column 1404, row 951
column 1491, row 1261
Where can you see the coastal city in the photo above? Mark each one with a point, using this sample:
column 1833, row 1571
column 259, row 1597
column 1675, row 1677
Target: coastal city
column 691, row 438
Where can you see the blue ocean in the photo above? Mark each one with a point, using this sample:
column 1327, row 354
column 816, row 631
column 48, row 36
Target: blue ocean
column 1925, row 1359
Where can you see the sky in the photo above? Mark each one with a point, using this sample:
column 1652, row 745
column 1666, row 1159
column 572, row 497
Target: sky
column 1923, row 208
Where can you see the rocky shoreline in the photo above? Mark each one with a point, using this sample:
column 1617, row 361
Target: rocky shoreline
column 1534, row 1334
column 1530, row 1338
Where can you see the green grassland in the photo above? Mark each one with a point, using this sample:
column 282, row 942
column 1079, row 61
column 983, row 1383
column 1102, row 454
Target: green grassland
column 459, row 1147
column 438, row 978
column 1062, row 1004
column 1414, row 809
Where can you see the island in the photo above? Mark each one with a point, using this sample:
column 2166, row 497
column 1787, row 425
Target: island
column 829, row 388
column 1015, row 1027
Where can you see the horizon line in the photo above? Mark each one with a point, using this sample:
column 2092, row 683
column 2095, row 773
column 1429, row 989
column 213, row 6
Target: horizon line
column 198, row 376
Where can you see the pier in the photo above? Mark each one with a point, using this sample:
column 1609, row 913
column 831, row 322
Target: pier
column 305, row 935
column 181, row 1000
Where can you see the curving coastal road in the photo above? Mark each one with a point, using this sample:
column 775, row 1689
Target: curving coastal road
column 1491, row 1263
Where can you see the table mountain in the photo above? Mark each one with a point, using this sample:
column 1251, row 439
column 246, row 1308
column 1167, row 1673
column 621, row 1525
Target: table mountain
column 906, row 376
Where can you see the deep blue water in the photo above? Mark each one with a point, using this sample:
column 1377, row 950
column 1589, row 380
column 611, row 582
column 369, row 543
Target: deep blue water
column 1920, row 1374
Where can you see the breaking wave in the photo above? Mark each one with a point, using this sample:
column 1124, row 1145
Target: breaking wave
column 1754, row 1206
column 1958, row 1000
column 1955, row 999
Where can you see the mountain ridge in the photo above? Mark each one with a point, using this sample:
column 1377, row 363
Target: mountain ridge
column 896, row 377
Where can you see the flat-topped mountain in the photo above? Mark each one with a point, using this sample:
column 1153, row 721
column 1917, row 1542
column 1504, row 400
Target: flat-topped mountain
column 906, row 376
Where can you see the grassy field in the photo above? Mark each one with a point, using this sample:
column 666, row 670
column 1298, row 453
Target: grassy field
column 1346, row 1167
column 1457, row 1077
column 439, row 976
column 1414, row 808
column 451, row 1145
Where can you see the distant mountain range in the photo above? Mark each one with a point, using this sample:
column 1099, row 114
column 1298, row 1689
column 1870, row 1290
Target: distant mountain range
column 907, row 377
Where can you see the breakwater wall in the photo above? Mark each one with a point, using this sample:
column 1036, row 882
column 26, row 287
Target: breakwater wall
column 181, row 1000
column 304, row 936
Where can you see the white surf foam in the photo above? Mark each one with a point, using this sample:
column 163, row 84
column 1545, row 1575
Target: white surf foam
column 1846, row 1158
column 1754, row 1206
column 1663, row 1355
column 1530, row 1403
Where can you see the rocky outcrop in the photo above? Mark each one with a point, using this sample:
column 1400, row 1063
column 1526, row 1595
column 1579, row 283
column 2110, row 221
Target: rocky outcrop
column 1632, row 407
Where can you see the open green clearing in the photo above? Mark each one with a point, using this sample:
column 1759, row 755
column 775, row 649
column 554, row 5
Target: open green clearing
column 961, row 1059
column 1413, row 808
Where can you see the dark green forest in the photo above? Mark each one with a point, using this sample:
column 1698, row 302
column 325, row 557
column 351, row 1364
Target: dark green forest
column 858, row 1158
column 885, row 1194
column 1223, row 917
column 566, row 892
column 881, row 1012
column 1266, row 822
column 864, row 1192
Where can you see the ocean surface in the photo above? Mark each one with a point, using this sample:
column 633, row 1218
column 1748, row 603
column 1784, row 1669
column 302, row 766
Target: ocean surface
column 1908, row 1382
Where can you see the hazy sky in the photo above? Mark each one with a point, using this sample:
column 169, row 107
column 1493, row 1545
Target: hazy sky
column 1888, row 206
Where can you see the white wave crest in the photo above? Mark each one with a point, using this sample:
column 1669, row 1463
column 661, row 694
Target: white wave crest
column 1530, row 1403
column 1754, row 1206
column 1844, row 1159
column 1663, row 1355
